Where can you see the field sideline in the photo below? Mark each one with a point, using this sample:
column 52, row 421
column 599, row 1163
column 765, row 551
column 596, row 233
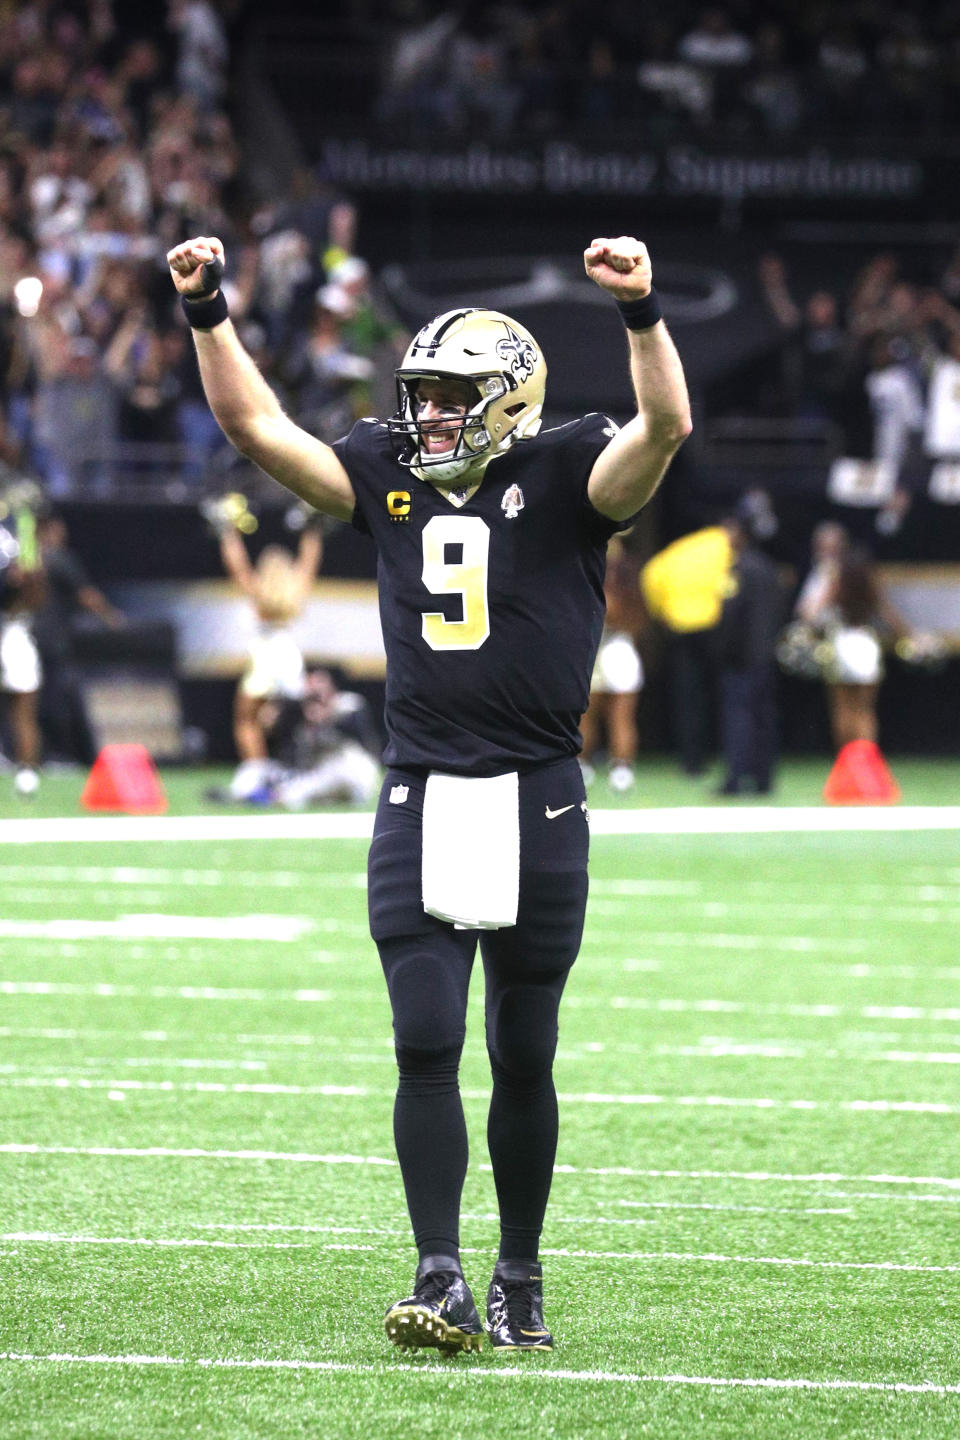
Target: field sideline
column 753, row 1225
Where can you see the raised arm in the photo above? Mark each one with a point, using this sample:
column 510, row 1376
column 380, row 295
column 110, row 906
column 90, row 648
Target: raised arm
column 245, row 407
column 309, row 558
column 628, row 471
column 236, row 561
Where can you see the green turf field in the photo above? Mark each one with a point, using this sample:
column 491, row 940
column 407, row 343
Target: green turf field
column 753, row 1229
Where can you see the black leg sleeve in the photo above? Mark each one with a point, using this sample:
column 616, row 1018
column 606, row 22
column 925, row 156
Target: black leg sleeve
column 428, row 978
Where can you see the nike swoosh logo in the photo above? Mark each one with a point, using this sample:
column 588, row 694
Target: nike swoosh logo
column 552, row 814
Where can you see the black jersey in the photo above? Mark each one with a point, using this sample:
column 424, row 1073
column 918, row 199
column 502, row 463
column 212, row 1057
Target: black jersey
column 491, row 612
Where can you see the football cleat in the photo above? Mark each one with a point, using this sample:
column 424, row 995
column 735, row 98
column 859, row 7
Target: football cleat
column 515, row 1307
column 440, row 1314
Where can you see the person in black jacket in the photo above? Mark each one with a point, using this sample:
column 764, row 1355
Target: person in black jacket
column 749, row 626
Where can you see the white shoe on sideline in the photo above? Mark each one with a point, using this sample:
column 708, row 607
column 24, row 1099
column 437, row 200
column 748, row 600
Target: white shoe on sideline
column 621, row 777
column 26, row 781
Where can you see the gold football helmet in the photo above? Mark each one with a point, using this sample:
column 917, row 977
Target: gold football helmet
column 505, row 367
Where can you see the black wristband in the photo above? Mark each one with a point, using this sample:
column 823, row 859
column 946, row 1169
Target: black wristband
column 641, row 314
column 204, row 314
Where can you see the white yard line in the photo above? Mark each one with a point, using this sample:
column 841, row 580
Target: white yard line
column 683, row 1257
column 718, row 940
column 260, row 928
column 163, row 1037
column 838, row 912
column 691, row 820
column 646, row 1257
column 199, row 1087
column 164, row 1152
column 90, row 1064
column 949, row 1014
column 125, row 875
column 48, row 1237
column 321, row 1050
column 736, row 1209
column 448, row 1375
column 777, row 1177
column 710, row 1102
column 737, row 1050
column 363, row 1049
column 159, row 992
column 890, row 897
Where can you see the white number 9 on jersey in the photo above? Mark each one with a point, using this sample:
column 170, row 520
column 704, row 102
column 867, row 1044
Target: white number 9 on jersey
column 455, row 562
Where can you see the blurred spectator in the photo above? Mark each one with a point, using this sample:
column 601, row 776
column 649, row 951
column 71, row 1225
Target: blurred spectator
column 329, row 379
column 484, row 93
column 683, row 587
column 753, row 612
column 416, row 90
column 611, row 717
column 278, row 587
column 942, row 424
column 370, row 330
column 148, row 393
column 74, row 422
column 197, row 432
column 326, row 220
column 949, row 283
column 721, row 54
column 606, row 94
column 677, row 88
column 824, row 357
column 773, row 87
column 819, row 358
column 841, row 75
column 69, row 598
column 21, row 591
column 854, row 618
column 330, row 749
column 898, row 414
column 828, row 546
column 202, row 54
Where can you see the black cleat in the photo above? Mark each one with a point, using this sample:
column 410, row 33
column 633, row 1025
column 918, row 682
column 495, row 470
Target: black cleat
column 440, row 1314
column 515, row 1307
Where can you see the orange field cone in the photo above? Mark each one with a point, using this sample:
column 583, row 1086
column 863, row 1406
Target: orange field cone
column 861, row 776
column 124, row 777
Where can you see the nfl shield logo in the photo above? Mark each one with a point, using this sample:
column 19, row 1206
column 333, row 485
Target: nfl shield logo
column 398, row 794
column 512, row 502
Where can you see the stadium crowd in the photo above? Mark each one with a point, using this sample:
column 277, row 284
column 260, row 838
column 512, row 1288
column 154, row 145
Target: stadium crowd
column 876, row 365
column 791, row 72
column 115, row 141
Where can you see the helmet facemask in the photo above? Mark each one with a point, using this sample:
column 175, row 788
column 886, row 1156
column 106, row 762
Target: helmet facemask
column 505, row 375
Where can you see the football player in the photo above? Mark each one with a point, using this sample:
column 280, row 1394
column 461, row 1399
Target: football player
column 490, row 539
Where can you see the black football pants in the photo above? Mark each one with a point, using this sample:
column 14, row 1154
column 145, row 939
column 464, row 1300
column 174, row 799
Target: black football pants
column 427, row 964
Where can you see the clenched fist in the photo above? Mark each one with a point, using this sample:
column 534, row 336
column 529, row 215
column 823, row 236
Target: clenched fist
column 186, row 263
column 621, row 266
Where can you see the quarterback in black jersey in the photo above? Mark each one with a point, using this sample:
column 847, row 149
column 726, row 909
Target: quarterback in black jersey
column 491, row 537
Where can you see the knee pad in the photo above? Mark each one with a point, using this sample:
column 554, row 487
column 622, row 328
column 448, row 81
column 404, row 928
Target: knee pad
column 522, row 1032
column 428, row 995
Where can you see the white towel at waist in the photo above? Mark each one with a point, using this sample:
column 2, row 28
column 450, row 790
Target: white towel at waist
column 471, row 850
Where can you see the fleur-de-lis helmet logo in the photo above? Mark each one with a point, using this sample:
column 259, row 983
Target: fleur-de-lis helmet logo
column 518, row 353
